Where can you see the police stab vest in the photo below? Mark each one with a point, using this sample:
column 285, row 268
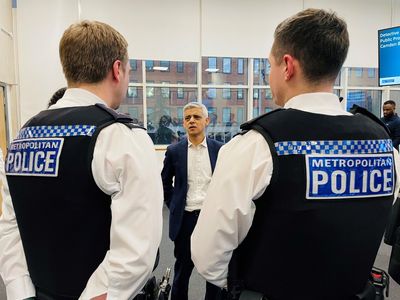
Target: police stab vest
column 63, row 217
column 318, row 226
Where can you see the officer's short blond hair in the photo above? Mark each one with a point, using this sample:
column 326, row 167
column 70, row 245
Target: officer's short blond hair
column 88, row 50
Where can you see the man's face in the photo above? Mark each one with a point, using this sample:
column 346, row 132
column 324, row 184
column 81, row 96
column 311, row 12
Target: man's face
column 388, row 110
column 194, row 121
column 124, row 82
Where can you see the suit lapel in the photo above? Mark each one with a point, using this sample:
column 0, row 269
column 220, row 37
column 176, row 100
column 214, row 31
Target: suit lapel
column 183, row 153
column 211, row 154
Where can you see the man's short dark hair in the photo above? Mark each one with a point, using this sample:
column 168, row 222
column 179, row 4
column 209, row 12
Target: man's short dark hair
column 391, row 102
column 318, row 39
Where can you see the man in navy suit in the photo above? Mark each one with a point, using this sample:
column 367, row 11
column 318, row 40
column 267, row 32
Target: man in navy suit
column 189, row 164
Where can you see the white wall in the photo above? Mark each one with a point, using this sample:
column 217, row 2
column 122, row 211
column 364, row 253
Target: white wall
column 364, row 18
column 171, row 30
column 155, row 29
column 40, row 24
column 240, row 28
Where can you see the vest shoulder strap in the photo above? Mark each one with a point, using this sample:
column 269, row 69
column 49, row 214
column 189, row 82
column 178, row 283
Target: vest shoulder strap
column 249, row 124
column 355, row 109
column 118, row 117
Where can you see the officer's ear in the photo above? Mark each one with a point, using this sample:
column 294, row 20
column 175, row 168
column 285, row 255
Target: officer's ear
column 289, row 63
column 117, row 70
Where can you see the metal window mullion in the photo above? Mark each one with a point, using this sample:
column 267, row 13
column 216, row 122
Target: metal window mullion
column 199, row 63
column 345, row 81
column 171, row 85
column 199, row 81
column 144, row 93
column 250, row 79
column 385, row 97
column 225, row 86
column 366, row 88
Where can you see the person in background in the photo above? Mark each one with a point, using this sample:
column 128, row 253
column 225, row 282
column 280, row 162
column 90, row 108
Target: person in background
column 288, row 213
column 164, row 134
column 187, row 171
column 85, row 219
column 56, row 96
column 392, row 121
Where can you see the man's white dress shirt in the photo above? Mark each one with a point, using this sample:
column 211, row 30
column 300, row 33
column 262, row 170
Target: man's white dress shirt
column 199, row 175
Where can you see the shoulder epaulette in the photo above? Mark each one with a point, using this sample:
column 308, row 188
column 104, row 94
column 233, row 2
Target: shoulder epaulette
column 355, row 109
column 248, row 125
column 119, row 117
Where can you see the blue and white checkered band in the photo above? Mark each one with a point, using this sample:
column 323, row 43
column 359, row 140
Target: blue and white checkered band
column 56, row 131
column 334, row 147
column 34, row 157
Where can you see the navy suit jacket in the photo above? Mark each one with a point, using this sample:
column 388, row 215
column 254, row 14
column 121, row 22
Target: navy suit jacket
column 175, row 165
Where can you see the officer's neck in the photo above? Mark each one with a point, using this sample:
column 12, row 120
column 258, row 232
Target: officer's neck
column 101, row 90
column 303, row 87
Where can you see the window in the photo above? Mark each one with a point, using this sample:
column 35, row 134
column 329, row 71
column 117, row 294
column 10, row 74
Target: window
column 132, row 92
column 211, row 93
column 149, row 65
column 268, row 94
column 212, row 110
column 358, row 72
column 226, row 92
column 256, row 93
column 150, row 112
column 240, row 94
column 133, row 63
column 133, row 111
column 165, row 90
column 256, row 65
column 240, row 65
column 135, row 74
column 150, row 90
column 261, row 69
column 180, row 93
column 369, row 99
column 226, row 115
column 212, row 62
column 164, row 64
column 179, row 67
column 371, row 72
column 362, row 77
column 240, row 115
column 268, row 109
column 255, row 112
column 226, row 65
column 166, row 71
column 179, row 113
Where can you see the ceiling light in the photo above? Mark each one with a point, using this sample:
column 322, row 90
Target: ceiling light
column 160, row 68
column 211, row 70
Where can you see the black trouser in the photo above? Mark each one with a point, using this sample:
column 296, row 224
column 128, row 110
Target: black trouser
column 43, row 295
column 183, row 264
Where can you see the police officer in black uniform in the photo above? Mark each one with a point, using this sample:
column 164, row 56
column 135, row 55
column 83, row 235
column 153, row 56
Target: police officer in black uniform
column 85, row 184
column 298, row 203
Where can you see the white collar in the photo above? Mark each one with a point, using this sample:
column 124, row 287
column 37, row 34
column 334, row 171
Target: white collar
column 319, row 103
column 203, row 143
column 77, row 97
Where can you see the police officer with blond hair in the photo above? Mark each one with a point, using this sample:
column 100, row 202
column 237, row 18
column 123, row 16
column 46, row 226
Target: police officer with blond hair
column 298, row 202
